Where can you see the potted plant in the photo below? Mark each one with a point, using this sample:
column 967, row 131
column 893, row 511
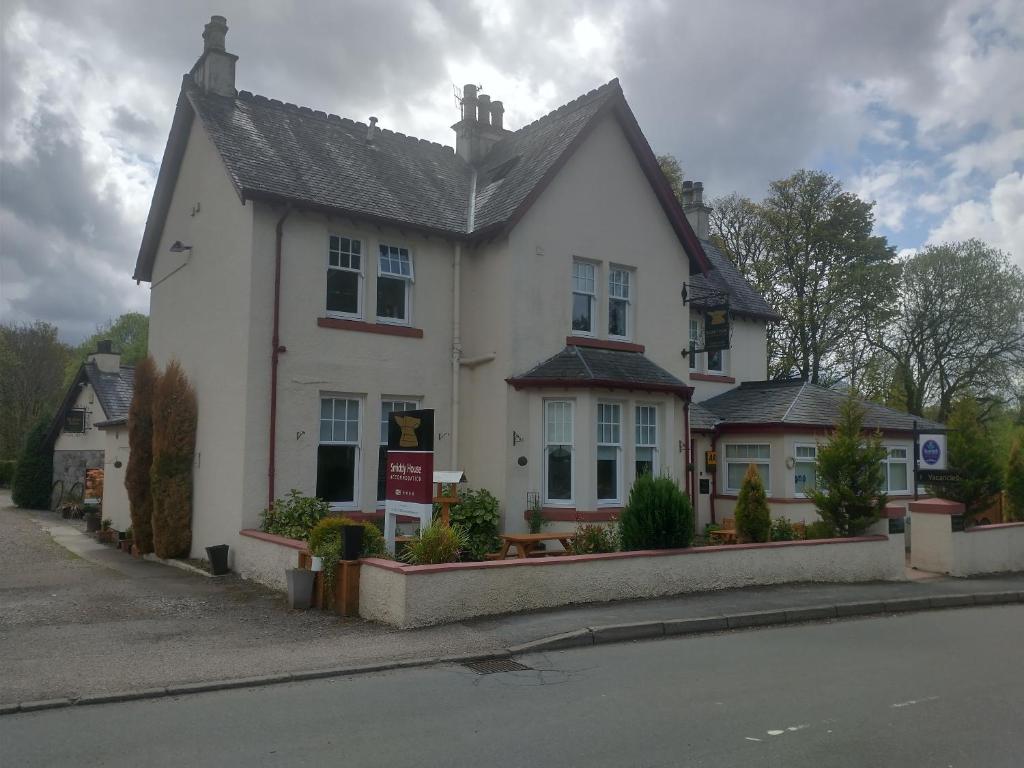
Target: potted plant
column 92, row 521
column 106, row 533
column 218, row 557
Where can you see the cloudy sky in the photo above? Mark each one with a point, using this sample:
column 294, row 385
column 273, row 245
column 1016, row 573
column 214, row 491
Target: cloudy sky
column 917, row 105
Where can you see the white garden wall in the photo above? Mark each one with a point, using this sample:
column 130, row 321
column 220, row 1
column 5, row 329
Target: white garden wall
column 412, row 596
column 263, row 557
column 981, row 549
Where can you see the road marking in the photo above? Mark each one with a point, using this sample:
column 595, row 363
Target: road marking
column 775, row 733
column 751, row 738
column 798, row 727
column 913, row 702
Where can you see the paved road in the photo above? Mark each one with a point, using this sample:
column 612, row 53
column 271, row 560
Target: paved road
column 929, row 689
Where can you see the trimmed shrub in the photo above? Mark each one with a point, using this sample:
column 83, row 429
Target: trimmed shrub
column 1015, row 481
column 593, row 539
column 330, row 528
column 33, row 475
column 820, row 529
column 294, row 516
column 140, row 456
column 437, row 543
column 7, row 472
column 850, row 474
column 174, row 444
column 478, row 515
column 657, row 516
column 753, row 518
column 783, row 530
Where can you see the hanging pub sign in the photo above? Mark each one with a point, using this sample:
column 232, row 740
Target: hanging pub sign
column 931, row 451
column 410, row 463
column 716, row 328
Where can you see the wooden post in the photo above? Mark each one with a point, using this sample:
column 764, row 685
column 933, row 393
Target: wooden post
column 446, row 501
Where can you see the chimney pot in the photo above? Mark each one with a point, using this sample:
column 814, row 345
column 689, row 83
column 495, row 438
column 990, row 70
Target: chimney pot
column 698, row 192
column 497, row 115
column 687, row 192
column 469, row 102
column 371, row 130
column 105, row 347
column 483, row 109
column 215, row 33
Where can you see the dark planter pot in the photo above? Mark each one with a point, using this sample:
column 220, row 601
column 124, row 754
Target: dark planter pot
column 92, row 522
column 300, row 588
column 352, row 542
column 218, row 556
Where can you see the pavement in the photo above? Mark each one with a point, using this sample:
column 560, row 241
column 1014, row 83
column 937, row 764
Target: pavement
column 940, row 688
column 83, row 623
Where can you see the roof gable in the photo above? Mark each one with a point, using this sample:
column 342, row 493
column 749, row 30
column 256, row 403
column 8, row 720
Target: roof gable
column 113, row 391
column 282, row 153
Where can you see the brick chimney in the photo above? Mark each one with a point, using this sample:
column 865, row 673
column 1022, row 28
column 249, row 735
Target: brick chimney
column 106, row 358
column 693, row 206
column 214, row 72
column 481, row 126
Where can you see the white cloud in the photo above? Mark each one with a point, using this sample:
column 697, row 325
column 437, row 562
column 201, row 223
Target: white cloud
column 998, row 220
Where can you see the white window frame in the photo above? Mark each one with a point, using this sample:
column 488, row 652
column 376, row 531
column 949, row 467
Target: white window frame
column 405, row 401
column 695, row 335
column 616, row 445
column 572, row 454
column 906, row 461
column 357, row 469
column 798, row 460
column 580, row 289
column 622, row 291
column 360, row 281
column 640, row 444
column 746, row 462
column 408, row 280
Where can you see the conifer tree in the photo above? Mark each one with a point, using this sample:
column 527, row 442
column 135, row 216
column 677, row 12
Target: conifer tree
column 33, row 474
column 174, row 440
column 972, row 455
column 140, row 458
column 753, row 519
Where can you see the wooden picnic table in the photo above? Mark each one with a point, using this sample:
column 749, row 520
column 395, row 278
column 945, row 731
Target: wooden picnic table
column 526, row 543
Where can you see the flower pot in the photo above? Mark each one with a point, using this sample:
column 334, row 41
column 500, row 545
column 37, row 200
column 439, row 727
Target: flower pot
column 353, row 542
column 317, row 564
column 300, row 588
column 92, row 522
column 218, row 557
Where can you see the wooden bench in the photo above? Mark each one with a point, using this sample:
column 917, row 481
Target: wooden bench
column 526, row 544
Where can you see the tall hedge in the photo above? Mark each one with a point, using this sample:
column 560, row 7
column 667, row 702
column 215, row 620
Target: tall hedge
column 657, row 516
column 174, row 443
column 753, row 519
column 33, row 475
column 1015, row 481
column 140, row 457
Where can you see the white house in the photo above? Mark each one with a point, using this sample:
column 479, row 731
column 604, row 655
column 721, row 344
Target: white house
column 313, row 273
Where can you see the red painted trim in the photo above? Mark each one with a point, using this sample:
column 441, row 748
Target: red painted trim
column 271, row 538
column 937, row 507
column 993, row 527
column 713, row 377
column 771, row 499
column 682, row 391
column 526, row 562
column 787, row 427
column 572, row 515
column 618, row 346
column 362, row 325
column 895, row 511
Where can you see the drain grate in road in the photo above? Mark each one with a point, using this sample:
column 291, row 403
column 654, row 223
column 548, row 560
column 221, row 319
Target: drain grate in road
column 492, row 666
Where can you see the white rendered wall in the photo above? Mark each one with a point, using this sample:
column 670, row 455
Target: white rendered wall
column 115, row 495
column 988, row 549
column 262, row 561
column 92, row 439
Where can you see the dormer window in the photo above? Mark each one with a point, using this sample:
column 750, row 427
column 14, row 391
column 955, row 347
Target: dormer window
column 394, row 284
column 74, row 420
column 584, row 295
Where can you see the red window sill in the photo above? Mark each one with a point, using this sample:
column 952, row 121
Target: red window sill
column 572, row 515
column 712, row 377
column 618, row 346
column 360, row 325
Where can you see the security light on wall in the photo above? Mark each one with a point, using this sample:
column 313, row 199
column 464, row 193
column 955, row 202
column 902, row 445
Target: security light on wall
column 179, row 247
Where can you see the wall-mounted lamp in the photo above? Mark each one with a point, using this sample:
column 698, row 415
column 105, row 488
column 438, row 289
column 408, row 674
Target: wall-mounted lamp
column 179, row 247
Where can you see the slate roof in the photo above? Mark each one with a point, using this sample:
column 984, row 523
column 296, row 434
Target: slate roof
column 114, row 391
column 589, row 367
column 726, row 278
column 800, row 403
column 701, row 419
column 284, row 153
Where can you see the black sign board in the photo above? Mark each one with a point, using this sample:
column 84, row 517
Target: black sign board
column 74, row 420
column 411, row 430
column 705, row 486
column 938, row 476
column 716, row 328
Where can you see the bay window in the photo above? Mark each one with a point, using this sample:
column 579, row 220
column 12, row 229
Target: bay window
column 558, row 450
column 739, row 456
column 337, row 467
column 387, row 407
column 609, row 448
column 646, row 457
column 394, row 284
column 344, row 276
column 584, row 295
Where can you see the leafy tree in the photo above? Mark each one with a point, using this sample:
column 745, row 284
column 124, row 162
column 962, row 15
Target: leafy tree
column 174, row 442
column 673, row 172
column 130, row 334
column 850, row 474
column 32, row 362
column 972, row 454
column 1015, row 481
column 959, row 326
column 33, row 475
column 657, row 516
column 140, row 457
column 753, row 519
